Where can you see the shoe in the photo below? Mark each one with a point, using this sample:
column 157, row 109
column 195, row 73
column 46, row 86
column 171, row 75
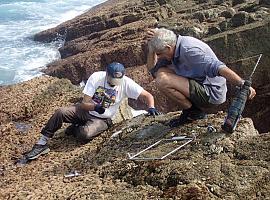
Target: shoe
column 70, row 130
column 37, row 151
column 187, row 116
column 183, row 119
column 196, row 114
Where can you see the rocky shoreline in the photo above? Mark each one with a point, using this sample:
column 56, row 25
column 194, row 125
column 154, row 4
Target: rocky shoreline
column 235, row 29
column 215, row 166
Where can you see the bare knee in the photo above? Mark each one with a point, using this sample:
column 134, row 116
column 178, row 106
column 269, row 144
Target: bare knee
column 163, row 80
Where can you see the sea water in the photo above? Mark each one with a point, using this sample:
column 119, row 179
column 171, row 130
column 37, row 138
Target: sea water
column 21, row 58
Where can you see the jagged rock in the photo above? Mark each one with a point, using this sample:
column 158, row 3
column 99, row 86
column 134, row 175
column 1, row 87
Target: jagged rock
column 200, row 16
column 131, row 18
column 252, row 18
column 212, row 14
column 112, row 23
column 204, row 1
column 195, row 31
column 223, row 25
column 249, row 7
column 240, row 19
column 229, row 13
column 262, row 13
column 214, row 30
column 235, row 2
column 264, row 2
column 162, row 2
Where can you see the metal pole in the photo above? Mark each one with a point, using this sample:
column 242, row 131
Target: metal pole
column 131, row 157
column 116, row 134
column 255, row 66
column 176, row 149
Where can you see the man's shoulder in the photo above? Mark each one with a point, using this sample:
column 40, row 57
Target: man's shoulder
column 96, row 77
column 189, row 41
column 128, row 80
column 98, row 73
column 130, row 83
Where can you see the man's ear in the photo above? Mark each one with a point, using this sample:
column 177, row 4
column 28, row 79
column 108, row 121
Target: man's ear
column 168, row 47
column 171, row 49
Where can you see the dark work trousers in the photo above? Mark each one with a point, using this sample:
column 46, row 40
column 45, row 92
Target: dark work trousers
column 86, row 126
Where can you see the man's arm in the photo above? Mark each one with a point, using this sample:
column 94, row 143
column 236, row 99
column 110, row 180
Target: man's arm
column 151, row 55
column 148, row 98
column 232, row 77
column 87, row 103
column 151, row 58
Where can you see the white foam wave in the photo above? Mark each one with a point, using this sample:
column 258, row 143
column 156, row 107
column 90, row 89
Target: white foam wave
column 20, row 58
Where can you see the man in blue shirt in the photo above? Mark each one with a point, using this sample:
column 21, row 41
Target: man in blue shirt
column 188, row 72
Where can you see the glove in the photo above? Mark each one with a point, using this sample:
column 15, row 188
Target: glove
column 153, row 112
column 99, row 109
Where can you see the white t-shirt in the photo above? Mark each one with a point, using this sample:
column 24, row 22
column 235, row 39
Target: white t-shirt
column 110, row 97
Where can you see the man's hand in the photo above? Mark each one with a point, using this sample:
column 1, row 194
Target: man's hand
column 99, row 109
column 153, row 112
column 150, row 33
column 151, row 55
column 252, row 93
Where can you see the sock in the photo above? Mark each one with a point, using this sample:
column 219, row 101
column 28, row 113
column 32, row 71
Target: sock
column 43, row 140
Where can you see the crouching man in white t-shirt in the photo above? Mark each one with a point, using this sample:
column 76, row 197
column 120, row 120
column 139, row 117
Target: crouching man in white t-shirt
column 103, row 94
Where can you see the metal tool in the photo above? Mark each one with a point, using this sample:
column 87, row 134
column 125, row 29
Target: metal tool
column 72, row 174
column 116, row 134
column 238, row 104
column 211, row 129
column 177, row 138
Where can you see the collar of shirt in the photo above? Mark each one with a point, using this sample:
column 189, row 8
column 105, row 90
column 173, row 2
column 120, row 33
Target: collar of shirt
column 177, row 49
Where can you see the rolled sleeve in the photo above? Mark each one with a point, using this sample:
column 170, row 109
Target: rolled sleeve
column 213, row 66
column 133, row 90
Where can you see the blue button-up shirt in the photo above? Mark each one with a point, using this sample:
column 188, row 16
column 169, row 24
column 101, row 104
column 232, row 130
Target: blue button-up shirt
column 194, row 59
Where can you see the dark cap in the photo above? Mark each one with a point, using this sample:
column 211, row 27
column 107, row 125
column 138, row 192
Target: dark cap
column 115, row 72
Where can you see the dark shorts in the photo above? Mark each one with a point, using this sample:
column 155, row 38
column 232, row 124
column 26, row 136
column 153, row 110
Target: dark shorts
column 198, row 94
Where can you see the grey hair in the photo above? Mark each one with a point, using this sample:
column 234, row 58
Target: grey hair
column 162, row 38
